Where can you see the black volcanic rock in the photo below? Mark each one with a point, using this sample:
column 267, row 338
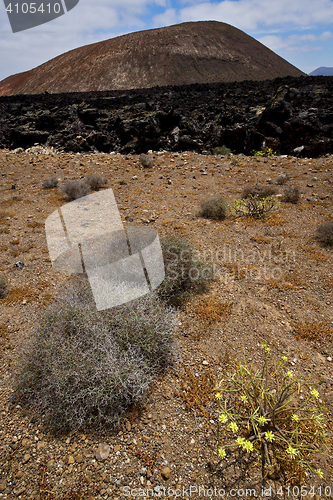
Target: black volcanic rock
column 188, row 53
column 291, row 115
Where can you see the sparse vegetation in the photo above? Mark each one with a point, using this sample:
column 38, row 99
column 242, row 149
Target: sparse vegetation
column 216, row 208
column 96, row 181
column 291, row 194
column 146, row 161
column 72, row 190
column 265, row 152
column 272, row 417
column 3, row 289
column 185, row 273
column 254, row 206
column 282, row 179
column 50, row 183
column 313, row 330
column 325, row 233
column 84, row 366
column 221, row 150
column 257, row 190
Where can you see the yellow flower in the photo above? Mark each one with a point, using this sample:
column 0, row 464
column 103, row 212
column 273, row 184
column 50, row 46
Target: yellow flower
column 222, row 452
column 265, row 347
column 292, row 452
column 315, row 393
column 223, row 418
column 284, row 358
column 295, row 417
column 269, row 436
column 233, row 426
column 320, row 473
column 248, row 446
column 240, row 441
column 263, row 420
column 289, row 374
column 244, row 399
column 218, row 395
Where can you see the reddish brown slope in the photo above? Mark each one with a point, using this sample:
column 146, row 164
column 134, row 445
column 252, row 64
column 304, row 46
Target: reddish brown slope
column 198, row 52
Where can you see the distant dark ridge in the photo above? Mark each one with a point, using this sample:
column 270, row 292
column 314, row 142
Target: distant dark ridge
column 291, row 115
column 194, row 52
column 322, row 71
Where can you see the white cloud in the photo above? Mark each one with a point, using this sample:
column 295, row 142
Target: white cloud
column 167, row 18
column 254, row 14
column 294, row 43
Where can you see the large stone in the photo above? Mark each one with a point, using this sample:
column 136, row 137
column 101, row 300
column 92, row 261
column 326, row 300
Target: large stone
column 102, row 452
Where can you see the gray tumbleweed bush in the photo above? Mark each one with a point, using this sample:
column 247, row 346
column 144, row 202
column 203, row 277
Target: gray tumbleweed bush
column 72, row 190
column 84, row 366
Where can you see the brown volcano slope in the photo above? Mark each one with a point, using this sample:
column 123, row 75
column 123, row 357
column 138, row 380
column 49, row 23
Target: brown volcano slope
column 194, row 52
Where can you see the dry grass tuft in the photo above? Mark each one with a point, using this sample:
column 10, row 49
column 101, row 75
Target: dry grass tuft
column 313, row 330
column 261, row 239
column 290, row 281
column 314, row 254
column 197, row 392
column 210, row 310
column 18, row 295
column 55, row 199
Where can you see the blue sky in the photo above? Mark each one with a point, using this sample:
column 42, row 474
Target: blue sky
column 300, row 31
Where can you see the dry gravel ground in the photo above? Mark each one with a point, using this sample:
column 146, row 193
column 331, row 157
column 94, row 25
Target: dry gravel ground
column 271, row 276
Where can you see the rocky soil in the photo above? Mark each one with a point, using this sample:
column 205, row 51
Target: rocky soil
column 272, row 277
column 290, row 115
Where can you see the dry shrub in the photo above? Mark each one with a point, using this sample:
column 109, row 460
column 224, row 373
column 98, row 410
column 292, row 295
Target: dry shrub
column 184, row 272
column 83, row 366
column 146, row 161
column 258, row 191
column 291, row 194
column 50, row 183
column 96, row 181
column 72, row 190
column 282, row 179
column 313, row 330
column 216, row 208
column 325, row 233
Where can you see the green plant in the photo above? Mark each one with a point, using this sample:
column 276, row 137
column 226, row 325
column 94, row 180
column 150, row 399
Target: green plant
column 325, row 233
column 254, row 206
column 72, row 190
column 291, row 194
column 221, row 150
column 265, row 152
column 50, row 183
column 258, row 190
column 185, row 273
column 269, row 414
column 216, row 208
column 84, row 366
column 95, row 181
